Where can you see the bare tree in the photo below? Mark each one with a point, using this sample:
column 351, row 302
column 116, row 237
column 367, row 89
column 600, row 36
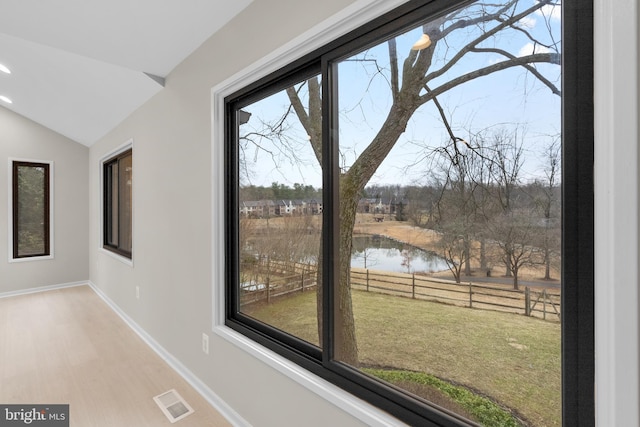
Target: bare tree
column 505, row 167
column 456, row 211
column 420, row 204
column 417, row 80
column 516, row 229
column 484, row 207
column 454, row 250
column 549, row 203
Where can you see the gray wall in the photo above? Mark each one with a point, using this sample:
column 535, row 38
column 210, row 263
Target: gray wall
column 22, row 138
column 172, row 220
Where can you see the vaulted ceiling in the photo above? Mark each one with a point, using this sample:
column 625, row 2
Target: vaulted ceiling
column 79, row 67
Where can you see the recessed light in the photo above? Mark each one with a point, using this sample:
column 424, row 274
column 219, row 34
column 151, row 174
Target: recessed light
column 5, row 99
column 4, row 69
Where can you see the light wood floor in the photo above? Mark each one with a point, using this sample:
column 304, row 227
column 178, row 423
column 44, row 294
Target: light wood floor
column 67, row 346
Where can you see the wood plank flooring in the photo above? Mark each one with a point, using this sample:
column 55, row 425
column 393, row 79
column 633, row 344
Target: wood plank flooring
column 67, row 346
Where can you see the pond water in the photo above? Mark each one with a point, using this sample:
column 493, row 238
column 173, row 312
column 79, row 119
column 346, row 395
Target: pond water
column 382, row 253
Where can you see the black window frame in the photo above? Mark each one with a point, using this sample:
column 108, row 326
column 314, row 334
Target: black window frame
column 15, row 165
column 108, row 211
column 578, row 349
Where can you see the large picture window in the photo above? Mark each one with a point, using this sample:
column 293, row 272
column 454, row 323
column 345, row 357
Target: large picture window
column 117, row 180
column 31, row 205
column 409, row 212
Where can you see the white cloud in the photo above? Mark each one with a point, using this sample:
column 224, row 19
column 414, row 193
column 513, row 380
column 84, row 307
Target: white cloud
column 530, row 49
column 550, row 10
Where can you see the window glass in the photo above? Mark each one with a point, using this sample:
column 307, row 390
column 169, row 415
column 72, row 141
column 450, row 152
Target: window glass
column 111, row 198
column 461, row 169
column 117, row 175
column 124, row 207
column 280, row 209
column 31, row 209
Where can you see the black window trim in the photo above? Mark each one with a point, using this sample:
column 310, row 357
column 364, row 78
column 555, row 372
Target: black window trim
column 116, row 155
column 48, row 195
column 578, row 294
column 578, row 366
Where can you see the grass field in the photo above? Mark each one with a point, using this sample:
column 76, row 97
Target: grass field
column 514, row 360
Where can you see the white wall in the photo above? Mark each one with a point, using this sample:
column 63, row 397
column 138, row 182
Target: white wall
column 21, row 138
column 617, row 214
column 172, row 254
column 173, row 213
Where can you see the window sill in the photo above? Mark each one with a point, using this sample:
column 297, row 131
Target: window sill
column 33, row 258
column 118, row 257
column 359, row 409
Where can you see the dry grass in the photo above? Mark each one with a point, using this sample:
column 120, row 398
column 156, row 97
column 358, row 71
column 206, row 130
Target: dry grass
column 514, row 360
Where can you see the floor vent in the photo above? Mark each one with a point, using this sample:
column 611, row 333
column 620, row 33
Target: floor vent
column 173, row 405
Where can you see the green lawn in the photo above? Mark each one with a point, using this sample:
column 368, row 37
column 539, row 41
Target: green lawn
column 512, row 359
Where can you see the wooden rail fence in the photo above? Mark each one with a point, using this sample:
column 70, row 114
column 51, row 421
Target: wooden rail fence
column 302, row 277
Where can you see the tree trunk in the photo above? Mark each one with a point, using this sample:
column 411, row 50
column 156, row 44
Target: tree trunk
column 467, row 256
column 351, row 184
column 457, row 275
column 547, row 262
column 483, row 254
column 346, row 347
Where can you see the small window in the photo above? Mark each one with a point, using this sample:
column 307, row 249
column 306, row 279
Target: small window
column 117, row 176
column 31, row 220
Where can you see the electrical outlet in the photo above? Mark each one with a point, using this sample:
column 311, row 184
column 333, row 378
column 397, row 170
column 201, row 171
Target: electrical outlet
column 137, row 292
column 205, row 343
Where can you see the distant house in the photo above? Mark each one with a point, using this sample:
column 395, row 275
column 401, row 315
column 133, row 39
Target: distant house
column 285, row 207
column 364, row 205
column 314, row 207
column 380, row 205
column 299, row 207
column 270, row 208
column 258, row 209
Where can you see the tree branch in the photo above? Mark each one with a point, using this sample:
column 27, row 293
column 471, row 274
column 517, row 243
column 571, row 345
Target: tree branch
column 393, row 59
column 483, row 37
column 528, row 67
column 463, row 23
column 553, row 58
column 311, row 121
column 530, row 37
column 315, row 114
column 296, row 103
column 454, row 139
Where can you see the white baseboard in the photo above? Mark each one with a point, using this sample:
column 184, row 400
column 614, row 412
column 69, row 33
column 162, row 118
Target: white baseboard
column 42, row 289
column 209, row 395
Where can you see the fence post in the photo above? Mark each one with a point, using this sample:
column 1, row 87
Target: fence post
column 367, row 280
column 527, row 302
column 302, row 281
column 544, row 304
column 413, row 285
column 470, row 295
